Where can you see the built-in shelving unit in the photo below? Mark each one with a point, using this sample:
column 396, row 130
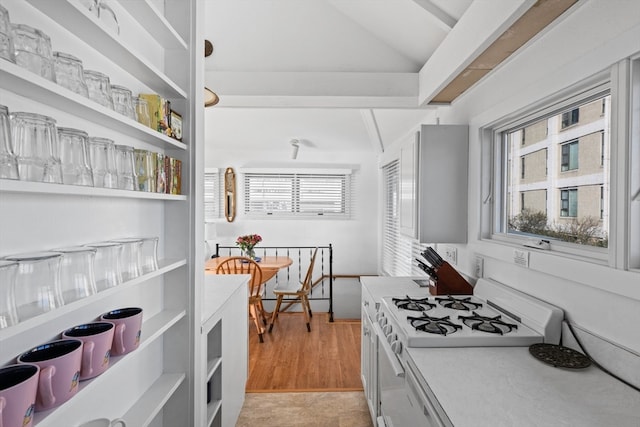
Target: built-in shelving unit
column 154, row 384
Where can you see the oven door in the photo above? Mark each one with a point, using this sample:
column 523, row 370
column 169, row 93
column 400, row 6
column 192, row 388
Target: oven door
column 394, row 405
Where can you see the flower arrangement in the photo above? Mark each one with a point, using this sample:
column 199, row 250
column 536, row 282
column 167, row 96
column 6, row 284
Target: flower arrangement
column 247, row 242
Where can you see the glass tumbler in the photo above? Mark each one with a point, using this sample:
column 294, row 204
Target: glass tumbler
column 125, row 166
column 77, row 278
column 144, row 170
column 148, row 255
column 122, row 101
column 130, row 259
column 102, row 157
column 8, row 161
column 6, row 37
column 99, row 87
column 37, row 284
column 33, row 50
column 70, row 73
column 74, row 157
column 8, row 312
column 141, row 107
column 35, row 144
column 107, row 271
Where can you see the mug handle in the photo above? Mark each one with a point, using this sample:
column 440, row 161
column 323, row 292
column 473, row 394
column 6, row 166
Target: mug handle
column 115, row 422
column 3, row 403
column 45, row 386
column 118, row 338
column 87, row 355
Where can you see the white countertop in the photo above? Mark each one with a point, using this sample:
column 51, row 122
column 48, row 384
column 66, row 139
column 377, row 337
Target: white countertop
column 506, row 386
column 218, row 288
column 382, row 286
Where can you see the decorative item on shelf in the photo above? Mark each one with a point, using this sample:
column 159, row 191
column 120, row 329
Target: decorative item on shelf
column 96, row 7
column 175, row 181
column 176, row 125
column 246, row 244
column 159, row 111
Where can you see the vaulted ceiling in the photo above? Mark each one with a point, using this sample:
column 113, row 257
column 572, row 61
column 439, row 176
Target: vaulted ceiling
column 366, row 68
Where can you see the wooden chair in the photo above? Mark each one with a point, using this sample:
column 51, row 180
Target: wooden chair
column 300, row 292
column 243, row 265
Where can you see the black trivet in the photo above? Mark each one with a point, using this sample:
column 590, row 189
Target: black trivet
column 559, row 356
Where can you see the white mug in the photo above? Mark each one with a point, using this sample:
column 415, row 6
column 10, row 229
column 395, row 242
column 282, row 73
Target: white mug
column 104, row 422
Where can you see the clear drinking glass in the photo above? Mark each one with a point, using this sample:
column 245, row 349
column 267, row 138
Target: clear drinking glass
column 107, row 271
column 122, row 101
column 148, row 255
column 6, row 37
column 33, row 50
column 35, row 144
column 37, row 283
column 103, row 162
column 77, row 277
column 74, row 157
column 144, row 169
column 141, row 107
column 8, row 312
column 130, row 259
column 70, row 73
column 8, row 161
column 125, row 167
column 99, row 87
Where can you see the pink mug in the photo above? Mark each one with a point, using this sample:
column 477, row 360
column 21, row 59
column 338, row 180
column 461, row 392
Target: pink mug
column 59, row 363
column 97, row 338
column 128, row 329
column 18, row 387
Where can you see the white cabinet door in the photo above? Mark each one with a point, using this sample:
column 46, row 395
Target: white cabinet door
column 442, row 183
column 408, row 186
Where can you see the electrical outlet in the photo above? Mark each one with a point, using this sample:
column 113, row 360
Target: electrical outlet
column 451, row 255
column 478, row 269
column 521, row 257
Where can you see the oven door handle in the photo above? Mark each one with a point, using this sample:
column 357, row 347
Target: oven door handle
column 398, row 370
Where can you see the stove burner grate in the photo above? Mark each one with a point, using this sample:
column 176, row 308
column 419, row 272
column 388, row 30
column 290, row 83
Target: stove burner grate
column 494, row 325
column 433, row 325
column 413, row 304
column 458, row 303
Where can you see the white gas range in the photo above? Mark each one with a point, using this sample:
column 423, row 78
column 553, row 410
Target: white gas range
column 495, row 315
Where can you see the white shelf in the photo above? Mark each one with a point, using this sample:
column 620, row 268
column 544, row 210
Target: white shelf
column 212, row 366
column 212, row 410
column 77, row 19
column 15, row 186
column 164, row 266
column 152, row 401
column 152, row 20
column 30, row 85
column 152, row 329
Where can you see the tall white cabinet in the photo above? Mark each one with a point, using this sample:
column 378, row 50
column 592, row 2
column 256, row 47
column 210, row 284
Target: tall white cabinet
column 157, row 51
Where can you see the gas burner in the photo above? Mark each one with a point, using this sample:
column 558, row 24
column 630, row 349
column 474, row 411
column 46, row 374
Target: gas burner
column 413, row 304
column 492, row 325
column 458, row 303
column 433, row 325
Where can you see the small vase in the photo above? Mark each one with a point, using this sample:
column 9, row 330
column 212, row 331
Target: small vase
column 249, row 253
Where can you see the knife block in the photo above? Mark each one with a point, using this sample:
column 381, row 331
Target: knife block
column 450, row 282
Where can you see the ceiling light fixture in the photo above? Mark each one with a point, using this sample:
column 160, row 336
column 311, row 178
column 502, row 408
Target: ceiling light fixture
column 295, row 144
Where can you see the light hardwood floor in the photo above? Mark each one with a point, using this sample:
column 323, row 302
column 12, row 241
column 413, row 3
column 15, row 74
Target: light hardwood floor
column 292, row 359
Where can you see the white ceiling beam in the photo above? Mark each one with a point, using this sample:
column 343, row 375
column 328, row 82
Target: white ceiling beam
column 371, row 126
column 481, row 25
column 447, row 21
column 314, row 89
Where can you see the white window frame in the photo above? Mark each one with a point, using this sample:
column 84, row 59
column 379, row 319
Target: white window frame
column 212, row 195
column 296, row 175
column 622, row 80
column 494, row 175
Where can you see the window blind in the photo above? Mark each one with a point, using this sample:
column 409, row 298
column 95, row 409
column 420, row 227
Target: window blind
column 212, row 192
column 297, row 194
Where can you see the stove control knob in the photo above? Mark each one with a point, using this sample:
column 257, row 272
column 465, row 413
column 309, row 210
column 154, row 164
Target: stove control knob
column 382, row 320
column 387, row 329
column 379, row 316
column 396, row 347
column 391, row 338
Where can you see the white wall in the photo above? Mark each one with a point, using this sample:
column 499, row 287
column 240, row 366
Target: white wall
column 599, row 33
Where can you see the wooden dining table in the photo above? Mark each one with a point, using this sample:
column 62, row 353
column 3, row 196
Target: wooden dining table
column 268, row 264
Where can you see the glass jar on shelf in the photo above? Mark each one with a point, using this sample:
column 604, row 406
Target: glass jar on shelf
column 70, row 73
column 8, row 161
column 6, row 37
column 77, row 277
column 141, row 107
column 8, row 312
column 103, row 162
column 123, row 101
column 99, row 88
column 33, row 50
column 74, row 157
column 125, row 168
column 107, row 270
